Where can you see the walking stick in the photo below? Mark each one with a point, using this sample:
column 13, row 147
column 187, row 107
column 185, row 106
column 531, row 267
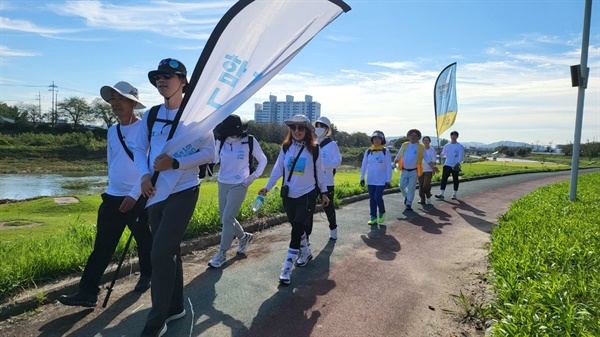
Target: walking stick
column 112, row 283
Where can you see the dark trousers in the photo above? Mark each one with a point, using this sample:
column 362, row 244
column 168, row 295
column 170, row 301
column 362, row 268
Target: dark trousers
column 300, row 212
column 446, row 171
column 330, row 209
column 109, row 228
column 425, row 185
column 169, row 220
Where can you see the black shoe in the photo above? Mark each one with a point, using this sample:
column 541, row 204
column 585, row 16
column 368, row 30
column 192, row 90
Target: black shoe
column 408, row 208
column 143, row 284
column 79, row 299
column 440, row 196
column 175, row 314
column 150, row 331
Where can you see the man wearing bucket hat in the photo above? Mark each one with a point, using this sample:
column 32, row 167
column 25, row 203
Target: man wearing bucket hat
column 332, row 158
column 301, row 167
column 410, row 160
column 120, row 203
column 168, row 218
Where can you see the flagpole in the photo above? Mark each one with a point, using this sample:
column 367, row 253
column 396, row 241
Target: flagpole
column 582, row 84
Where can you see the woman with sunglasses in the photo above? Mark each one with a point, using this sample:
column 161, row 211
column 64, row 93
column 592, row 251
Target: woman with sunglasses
column 301, row 167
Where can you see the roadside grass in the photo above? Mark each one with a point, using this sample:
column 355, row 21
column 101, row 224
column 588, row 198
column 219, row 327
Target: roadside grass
column 67, row 233
column 545, row 258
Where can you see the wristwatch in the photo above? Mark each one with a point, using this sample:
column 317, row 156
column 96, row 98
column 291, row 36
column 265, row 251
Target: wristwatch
column 175, row 164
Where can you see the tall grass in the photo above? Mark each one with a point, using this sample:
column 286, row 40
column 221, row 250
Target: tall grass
column 545, row 256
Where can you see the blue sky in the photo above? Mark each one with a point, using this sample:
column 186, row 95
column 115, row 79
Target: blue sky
column 372, row 68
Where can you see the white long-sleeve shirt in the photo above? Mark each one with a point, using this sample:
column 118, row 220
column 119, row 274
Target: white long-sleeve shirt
column 431, row 152
column 453, row 154
column 303, row 176
column 123, row 178
column 411, row 154
column 377, row 166
column 146, row 152
column 234, row 163
column 332, row 158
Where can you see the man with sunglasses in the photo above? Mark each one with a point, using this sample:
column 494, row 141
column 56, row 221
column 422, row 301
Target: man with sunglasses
column 168, row 218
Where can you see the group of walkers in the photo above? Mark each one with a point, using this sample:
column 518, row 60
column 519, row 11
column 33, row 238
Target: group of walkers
column 417, row 163
column 306, row 163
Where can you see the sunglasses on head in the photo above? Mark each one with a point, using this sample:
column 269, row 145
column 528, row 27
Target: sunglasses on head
column 297, row 127
column 172, row 63
column 165, row 76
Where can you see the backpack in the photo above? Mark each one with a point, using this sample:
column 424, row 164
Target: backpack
column 204, row 168
column 369, row 151
column 251, row 158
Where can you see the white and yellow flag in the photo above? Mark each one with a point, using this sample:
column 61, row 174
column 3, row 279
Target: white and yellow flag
column 444, row 96
column 251, row 43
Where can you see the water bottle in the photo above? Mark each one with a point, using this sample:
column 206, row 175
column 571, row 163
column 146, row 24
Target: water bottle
column 395, row 167
column 257, row 203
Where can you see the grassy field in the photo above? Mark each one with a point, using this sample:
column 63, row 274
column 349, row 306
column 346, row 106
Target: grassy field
column 545, row 257
column 62, row 236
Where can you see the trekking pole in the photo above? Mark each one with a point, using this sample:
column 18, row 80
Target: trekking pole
column 112, row 284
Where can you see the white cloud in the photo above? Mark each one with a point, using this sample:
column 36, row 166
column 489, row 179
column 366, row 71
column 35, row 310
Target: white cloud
column 6, row 51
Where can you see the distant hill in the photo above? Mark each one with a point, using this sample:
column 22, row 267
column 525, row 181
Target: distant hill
column 479, row 145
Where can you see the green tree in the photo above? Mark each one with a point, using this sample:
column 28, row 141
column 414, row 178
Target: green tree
column 11, row 112
column 102, row 111
column 29, row 112
column 76, row 109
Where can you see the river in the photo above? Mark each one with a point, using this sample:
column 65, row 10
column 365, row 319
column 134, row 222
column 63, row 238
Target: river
column 25, row 186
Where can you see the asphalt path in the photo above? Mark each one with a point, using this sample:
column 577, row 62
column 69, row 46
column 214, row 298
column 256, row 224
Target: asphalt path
column 393, row 279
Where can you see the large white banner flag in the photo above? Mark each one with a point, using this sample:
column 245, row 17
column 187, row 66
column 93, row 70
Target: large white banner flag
column 251, row 43
column 444, row 99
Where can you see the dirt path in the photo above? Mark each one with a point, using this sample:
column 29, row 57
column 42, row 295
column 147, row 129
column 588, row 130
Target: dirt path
column 392, row 280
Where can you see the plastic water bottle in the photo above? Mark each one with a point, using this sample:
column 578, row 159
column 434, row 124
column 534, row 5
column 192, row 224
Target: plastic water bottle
column 395, row 167
column 257, row 203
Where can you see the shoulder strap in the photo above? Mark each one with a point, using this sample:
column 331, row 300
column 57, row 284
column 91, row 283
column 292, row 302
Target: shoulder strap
column 315, row 156
column 250, row 156
column 369, row 151
column 120, row 135
column 325, row 142
column 151, row 119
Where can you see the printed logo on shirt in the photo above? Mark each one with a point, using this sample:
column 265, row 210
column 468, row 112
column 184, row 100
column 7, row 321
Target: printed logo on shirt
column 241, row 155
column 300, row 166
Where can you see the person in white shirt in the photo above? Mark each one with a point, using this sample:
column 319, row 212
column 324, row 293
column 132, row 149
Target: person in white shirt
column 453, row 153
column 168, row 217
column 301, row 167
column 377, row 165
column 236, row 173
column 410, row 160
column 121, row 205
column 428, row 172
column 332, row 158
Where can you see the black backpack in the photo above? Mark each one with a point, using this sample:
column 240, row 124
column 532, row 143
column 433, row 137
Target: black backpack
column 251, row 158
column 204, row 168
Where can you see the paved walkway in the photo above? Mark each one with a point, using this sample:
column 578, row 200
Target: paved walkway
column 389, row 280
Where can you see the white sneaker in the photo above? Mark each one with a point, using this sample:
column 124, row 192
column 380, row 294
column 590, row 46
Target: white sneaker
column 244, row 242
column 333, row 234
column 454, row 196
column 218, row 260
column 304, row 256
column 286, row 272
column 428, row 201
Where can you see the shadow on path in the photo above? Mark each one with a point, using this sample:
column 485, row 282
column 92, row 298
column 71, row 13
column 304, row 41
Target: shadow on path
column 61, row 325
column 289, row 312
column 386, row 245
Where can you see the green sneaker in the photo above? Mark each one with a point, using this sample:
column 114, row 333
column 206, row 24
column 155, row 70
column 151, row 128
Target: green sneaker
column 373, row 221
column 381, row 218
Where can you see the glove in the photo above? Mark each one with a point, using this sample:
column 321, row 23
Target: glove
column 387, row 185
column 249, row 180
column 362, row 183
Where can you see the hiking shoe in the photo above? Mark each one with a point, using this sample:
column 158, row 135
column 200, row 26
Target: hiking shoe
column 143, row 284
column 304, row 256
column 381, row 218
column 177, row 315
column 286, row 272
column 79, row 299
column 440, row 196
column 154, row 331
column 244, row 242
column 373, row 221
column 333, row 234
column 218, row 260
column 408, row 208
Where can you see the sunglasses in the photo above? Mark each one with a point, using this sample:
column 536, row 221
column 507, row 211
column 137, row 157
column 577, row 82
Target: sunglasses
column 165, row 76
column 297, row 127
column 172, row 63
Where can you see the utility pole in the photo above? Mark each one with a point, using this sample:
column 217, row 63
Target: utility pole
column 579, row 78
column 53, row 113
column 39, row 97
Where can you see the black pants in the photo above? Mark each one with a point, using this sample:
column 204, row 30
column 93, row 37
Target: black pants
column 110, row 225
column 300, row 212
column 446, row 171
column 330, row 209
